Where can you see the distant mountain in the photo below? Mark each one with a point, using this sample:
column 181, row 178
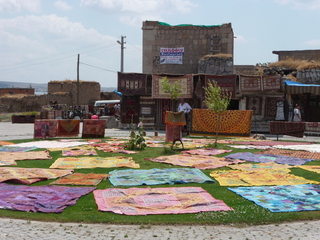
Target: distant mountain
column 40, row 87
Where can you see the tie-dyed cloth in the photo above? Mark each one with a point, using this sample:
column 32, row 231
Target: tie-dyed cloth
column 247, row 156
column 312, row 168
column 82, row 179
column 9, row 158
column 297, row 154
column 68, row 127
column 47, row 199
column 207, row 151
column 79, row 151
column 94, row 162
column 249, row 147
column 3, row 143
column 16, row 149
column 45, row 128
column 30, row 175
column 144, row 201
column 259, row 166
column 290, row 198
column 130, row 177
column 196, row 161
column 258, row 178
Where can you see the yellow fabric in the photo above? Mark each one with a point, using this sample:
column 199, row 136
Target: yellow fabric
column 310, row 168
column 258, row 178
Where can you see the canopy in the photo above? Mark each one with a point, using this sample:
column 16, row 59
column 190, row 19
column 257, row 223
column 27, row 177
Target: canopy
column 292, row 87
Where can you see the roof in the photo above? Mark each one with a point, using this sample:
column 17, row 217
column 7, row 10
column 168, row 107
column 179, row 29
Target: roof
column 292, row 87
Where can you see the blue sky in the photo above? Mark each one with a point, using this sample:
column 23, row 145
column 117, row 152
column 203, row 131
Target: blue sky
column 40, row 39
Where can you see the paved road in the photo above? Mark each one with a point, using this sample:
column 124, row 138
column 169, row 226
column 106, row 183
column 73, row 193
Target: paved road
column 22, row 229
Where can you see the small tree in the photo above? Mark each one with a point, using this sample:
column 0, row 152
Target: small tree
column 217, row 99
column 172, row 88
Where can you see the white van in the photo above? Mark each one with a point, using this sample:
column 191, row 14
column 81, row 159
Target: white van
column 101, row 103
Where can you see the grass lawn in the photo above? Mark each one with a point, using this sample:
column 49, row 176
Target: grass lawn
column 85, row 210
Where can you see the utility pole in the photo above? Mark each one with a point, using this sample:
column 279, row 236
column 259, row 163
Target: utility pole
column 78, row 81
column 122, row 51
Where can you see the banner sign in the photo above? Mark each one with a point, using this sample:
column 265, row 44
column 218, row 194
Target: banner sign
column 171, row 55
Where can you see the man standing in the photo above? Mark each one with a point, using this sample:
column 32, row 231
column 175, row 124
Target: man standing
column 186, row 108
column 297, row 114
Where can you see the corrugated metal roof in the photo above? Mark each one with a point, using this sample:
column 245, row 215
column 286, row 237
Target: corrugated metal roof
column 292, row 87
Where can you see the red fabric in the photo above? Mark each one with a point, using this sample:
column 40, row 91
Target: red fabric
column 295, row 129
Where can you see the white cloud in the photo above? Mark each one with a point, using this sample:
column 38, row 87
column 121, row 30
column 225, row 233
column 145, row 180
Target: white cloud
column 313, row 43
column 62, row 5
column 240, row 39
column 20, row 5
column 301, row 4
column 133, row 12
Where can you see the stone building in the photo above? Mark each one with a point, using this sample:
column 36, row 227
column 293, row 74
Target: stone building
column 309, row 55
column 14, row 91
column 89, row 91
column 178, row 49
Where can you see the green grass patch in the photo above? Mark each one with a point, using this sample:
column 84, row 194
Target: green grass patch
column 85, row 210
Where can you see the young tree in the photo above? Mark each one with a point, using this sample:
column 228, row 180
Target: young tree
column 217, row 99
column 172, row 88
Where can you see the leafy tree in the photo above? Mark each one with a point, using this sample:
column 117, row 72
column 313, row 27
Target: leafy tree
column 172, row 88
column 217, row 99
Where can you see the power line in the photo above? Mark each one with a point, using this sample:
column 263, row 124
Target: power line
column 98, row 67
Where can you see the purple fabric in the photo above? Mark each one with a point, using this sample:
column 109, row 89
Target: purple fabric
column 48, row 199
column 265, row 158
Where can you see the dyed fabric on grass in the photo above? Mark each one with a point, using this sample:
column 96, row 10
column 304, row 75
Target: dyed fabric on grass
column 297, row 154
column 287, row 198
column 3, row 143
column 50, row 144
column 247, row 156
column 309, row 147
column 9, row 158
column 94, row 162
column 16, row 149
column 312, row 168
column 258, row 178
column 156, row 176
column 81, row 179
column 79, row 151
column 47, row 199
column 269, row 143
column 144, row 201
column 259, row 166
column 196, row 161
column 206, row 152
column 30, row 175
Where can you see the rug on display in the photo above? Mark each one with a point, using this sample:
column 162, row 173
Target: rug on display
column 196, row 161
column 144, row 201
column 131, row 177
column 94, row 162
column 46, row 199
column 284, row 198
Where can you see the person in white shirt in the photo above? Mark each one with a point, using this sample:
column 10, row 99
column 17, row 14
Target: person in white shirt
column 186, row 108
column 297, row 114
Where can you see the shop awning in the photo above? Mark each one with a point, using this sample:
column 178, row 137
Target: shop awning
column 292, row 87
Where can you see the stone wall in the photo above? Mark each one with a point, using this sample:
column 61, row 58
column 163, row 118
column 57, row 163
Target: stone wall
column 298, row 55
column 216, row 66
column 89, row 92
column 13, row 91
column 31, row 103
column 309, row 76
column 197, row 42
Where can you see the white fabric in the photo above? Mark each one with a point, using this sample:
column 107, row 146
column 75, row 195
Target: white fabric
column 184, row 107
column 308, row 147
column 49, row 144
